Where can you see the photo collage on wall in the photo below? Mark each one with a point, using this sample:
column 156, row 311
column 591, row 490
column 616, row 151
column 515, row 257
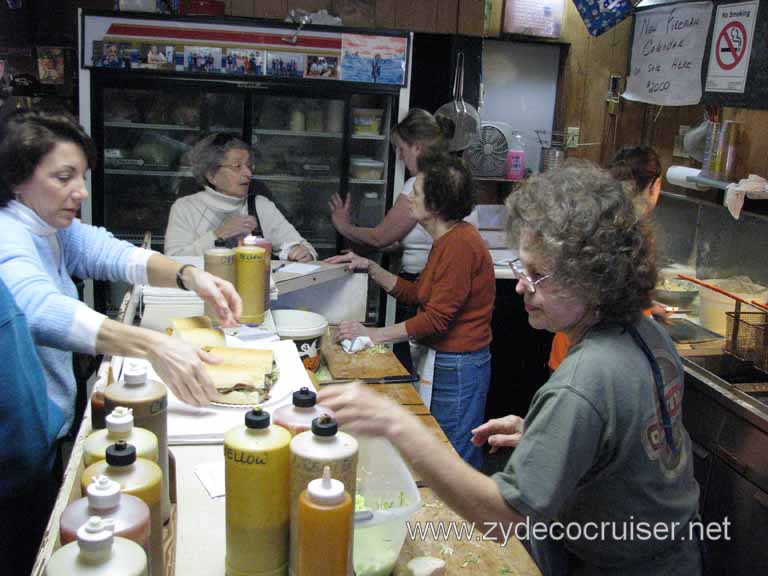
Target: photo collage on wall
column 371, row 59
column 154, row 56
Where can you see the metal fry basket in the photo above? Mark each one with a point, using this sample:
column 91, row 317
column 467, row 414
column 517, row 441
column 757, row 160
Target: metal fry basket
column 747, row 337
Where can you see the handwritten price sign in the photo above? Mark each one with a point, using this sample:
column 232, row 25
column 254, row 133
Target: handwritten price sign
column 667, row 53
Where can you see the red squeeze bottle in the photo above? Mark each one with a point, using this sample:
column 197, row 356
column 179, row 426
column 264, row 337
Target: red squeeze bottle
column 129, row 513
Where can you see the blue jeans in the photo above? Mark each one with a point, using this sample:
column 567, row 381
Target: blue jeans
column 459, row 390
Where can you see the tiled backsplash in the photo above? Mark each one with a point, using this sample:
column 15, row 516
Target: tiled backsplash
column 707, row 237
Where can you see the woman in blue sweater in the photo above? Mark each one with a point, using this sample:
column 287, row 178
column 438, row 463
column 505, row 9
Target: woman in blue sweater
column 44, row 158
column 29, row 423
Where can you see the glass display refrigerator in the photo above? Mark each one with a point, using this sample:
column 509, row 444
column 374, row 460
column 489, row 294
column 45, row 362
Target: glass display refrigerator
column 311, row 135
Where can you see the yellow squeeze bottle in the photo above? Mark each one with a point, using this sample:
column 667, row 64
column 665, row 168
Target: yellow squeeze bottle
column 219, row 261
column 250, row 264
column 325, row 528
column 311, row 452
column 256, row 477
column 149, row 401
column 120, row 427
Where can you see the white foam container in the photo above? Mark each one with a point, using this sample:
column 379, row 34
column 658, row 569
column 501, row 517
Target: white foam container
column 305, row 329
column 714, row 305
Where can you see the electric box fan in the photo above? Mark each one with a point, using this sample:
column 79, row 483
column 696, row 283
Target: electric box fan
column 487, row 154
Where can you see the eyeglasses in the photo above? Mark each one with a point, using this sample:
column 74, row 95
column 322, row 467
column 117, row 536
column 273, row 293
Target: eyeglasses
column 237, row 167
column 519, row 273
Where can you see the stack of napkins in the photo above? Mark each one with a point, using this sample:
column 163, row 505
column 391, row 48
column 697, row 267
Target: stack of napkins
column 156, row 295
column 160, row 304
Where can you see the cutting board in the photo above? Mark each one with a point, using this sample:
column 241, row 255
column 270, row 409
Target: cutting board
column 363, row 364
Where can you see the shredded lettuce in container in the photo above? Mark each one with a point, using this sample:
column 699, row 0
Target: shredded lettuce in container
column 380, row 503
column 374, row 554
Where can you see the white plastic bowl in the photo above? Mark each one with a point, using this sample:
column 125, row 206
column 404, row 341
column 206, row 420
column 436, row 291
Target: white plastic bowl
column 713, row 308
column 305, row 329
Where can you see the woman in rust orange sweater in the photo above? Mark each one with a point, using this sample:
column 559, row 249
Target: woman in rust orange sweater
column 454, row 294
column 640, row 168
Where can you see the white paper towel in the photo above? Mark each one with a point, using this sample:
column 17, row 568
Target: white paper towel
column 678, row 175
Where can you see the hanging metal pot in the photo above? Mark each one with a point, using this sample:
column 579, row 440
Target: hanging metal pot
column 463, row 116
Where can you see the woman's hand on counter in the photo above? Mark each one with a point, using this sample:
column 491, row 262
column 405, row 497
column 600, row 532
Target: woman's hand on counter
column 300, row 253
column 499, row 432
column 351, row 330
column 219, row 293
column 180, row 366
column 340, row 212
column 355, row 262
column 361, row 411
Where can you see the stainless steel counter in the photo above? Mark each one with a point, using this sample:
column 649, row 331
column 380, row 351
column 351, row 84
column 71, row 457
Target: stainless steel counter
column 729, row 432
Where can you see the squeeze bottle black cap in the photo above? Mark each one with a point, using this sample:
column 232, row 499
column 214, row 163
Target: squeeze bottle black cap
column 257, row 418
column 324, row 426
column 304, row 398
column 121, row 454
column 220, row 243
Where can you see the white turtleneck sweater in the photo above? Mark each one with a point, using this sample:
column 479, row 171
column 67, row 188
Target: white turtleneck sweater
column 36, row 262
column 193, row 220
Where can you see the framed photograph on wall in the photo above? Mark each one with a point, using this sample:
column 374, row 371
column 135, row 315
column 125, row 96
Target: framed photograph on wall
column 286, row 64
column 50, row 64
column 322, row 67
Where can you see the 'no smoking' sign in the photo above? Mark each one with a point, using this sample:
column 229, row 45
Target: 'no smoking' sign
column 732, row 39
column 731, row 45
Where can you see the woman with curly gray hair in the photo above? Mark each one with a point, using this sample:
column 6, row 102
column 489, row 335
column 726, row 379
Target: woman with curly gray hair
column 602, row 466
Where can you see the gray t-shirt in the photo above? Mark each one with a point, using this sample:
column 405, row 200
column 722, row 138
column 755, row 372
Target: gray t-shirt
column 594, row 451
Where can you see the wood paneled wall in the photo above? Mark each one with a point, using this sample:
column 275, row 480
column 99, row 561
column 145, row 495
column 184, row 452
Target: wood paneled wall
column 440, row 16
column 591, row 62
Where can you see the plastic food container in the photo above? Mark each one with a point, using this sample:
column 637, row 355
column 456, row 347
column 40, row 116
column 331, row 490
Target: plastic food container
column 386, row 498
column 366, row 120
column 366, row 168
column 714, row 305
column 305, row 329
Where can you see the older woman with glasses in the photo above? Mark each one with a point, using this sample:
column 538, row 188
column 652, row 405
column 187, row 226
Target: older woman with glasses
column 602, row 462
column 221, row 164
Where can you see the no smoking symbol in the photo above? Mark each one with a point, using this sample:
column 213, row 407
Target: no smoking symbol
column 731, row 45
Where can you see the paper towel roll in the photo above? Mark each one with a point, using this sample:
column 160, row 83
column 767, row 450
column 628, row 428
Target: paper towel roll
column 678, row 175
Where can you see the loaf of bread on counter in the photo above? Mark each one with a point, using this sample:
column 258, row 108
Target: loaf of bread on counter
column 197, row 330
